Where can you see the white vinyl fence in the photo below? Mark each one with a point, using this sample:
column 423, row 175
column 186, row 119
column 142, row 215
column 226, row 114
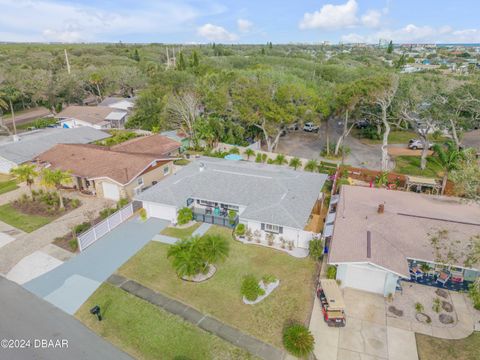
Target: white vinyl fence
column 88, row 237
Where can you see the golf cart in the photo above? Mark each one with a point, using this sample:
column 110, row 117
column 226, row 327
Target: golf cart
column 333, row 306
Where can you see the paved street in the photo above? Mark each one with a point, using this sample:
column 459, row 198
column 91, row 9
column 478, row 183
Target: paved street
column 24, row 316
column 70, row 284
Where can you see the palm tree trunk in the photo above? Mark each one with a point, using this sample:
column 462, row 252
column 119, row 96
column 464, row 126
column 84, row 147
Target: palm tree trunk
column 60, row 197
column 13, row 118
column 444, row 182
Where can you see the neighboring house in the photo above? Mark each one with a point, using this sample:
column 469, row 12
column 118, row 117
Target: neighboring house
column 178, row 136
column 156, row 145
column 125, row 104
column 268, row 198
column 105, row 172
column 31, row 144
column 98, row 117
column 382, row 236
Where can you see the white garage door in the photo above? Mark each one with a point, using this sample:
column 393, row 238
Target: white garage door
column 365, row 278
column 161, row 211
column 110, row 191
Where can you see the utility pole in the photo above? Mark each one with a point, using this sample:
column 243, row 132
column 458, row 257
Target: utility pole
column 66, row 60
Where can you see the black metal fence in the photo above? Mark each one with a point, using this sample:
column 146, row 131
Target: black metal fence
column 216, row 220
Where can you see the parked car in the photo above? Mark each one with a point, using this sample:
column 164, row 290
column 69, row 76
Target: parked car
column 311, row 127
column 362, row 124
column 415, row 144
column 333, row 306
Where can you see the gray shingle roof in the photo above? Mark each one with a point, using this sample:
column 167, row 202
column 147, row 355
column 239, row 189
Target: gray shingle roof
column 271, row 194
column 33, row 144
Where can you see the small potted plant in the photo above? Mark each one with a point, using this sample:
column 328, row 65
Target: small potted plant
column 283, row 242
column 240, row 231
column 270, row 237
column 249, row 235
column 258, row 236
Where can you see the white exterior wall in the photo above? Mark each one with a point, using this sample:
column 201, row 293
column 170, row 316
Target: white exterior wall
column 6, row 165
column 161, row 211
column 300, row 238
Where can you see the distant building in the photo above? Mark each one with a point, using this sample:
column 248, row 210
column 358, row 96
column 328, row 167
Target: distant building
column 98, row 117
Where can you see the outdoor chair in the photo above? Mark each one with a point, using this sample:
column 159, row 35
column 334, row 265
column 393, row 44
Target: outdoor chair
column 443, row 277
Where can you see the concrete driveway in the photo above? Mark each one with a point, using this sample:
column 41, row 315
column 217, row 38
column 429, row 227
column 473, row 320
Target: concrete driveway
column 366, row 335
column 70, row 284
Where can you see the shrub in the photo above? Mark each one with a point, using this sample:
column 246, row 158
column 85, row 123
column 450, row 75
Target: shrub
column 437, row 305
column 315, row 248
column 258, row 158
column 234, row 150
column 370, row 132
column 80, row 228
column 106, row 213
column 418, row 307
column 122, row 203
column 73, row 243
column 268, row 279
column 331, row 272
column 280, row 159
column 251, row 290
column 249, row 234
column 270, row 161
column 185, row 215
column 270, row 237
column 298, row 340
column 143, row 214
column 240, row 229
column 181, row 162
column 232, row 214
column 75, row 203
column 264, row 157
column 311, row 165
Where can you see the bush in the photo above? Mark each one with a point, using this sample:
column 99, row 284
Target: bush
column 258, row 158
column 331, row 272
column 73, row 244
column 418, row 307
column 181, row 162
column 240, row 229
column 232, row 215
column 80, row 228
column 107, row 212
column 298, row 340
column 268, row 279
column 315, row 248
column 234, row 150
column 75, row 203
column 185, row 215
column 251, row 290
column 122, row 203
column 474, row 294
column 143, row 214
column 370, row 132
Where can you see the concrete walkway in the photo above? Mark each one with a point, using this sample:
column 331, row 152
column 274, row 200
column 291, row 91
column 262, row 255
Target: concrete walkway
column 165, row 239
column 70, row 284
column 202, row 229
column 205, row 322
column 27, row 243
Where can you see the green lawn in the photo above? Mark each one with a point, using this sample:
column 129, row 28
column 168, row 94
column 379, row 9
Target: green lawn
column 25, row 222
column 430, row 348
column 147, row 332
column 180, row 233
column 220, row 296
column 6, row 186
column 410, row 165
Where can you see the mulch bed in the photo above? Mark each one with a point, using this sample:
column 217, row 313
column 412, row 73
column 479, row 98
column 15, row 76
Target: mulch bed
column 40, row 207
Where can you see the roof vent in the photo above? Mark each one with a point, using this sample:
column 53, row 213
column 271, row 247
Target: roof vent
column 369, row 244
column 381, row 208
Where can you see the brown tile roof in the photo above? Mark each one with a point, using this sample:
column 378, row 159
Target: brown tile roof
column 403, row 231
column 93, row 161
column 157, row 145
column 90, row 114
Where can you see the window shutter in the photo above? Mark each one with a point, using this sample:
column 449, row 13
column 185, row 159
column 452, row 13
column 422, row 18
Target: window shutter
column 280, row 229
column 263, row 226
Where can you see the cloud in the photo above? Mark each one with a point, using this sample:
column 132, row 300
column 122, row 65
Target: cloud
column 372, row 18
column 51, row 20
column 332, row 16
column 216, row 33
column 420, row 34
column 244, row 25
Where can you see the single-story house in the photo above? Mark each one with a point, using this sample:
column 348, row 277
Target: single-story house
column 382, row 236
column 157, row 145
column 125, row 104
column 98, row 117
column 178, row 136
column 107, row 173
column 27, row 146
column 266, row 198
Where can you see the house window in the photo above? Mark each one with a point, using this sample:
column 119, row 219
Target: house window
column 272, row 228
column 166, row 170
column 140, row 181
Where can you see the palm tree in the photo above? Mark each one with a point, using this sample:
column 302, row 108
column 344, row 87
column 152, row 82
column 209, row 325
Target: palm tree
column 7, row 96
column 295, row 163
column 25, row 173
column 55, row 179
column 311, row 165
column 249, row 152
column 280, row 159
column 448, row 158
column 215, row 248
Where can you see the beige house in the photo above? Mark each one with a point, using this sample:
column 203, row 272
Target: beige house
column 106, row 172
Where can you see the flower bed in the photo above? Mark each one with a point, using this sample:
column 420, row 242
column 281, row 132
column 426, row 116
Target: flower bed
column 267, row 288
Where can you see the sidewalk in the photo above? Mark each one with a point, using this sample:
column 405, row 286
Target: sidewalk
column 204, row 321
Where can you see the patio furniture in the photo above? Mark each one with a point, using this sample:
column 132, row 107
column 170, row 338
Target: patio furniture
column 416, row 273
column 443, row 277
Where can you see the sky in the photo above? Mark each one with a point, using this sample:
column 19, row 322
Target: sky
column 247, row 21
